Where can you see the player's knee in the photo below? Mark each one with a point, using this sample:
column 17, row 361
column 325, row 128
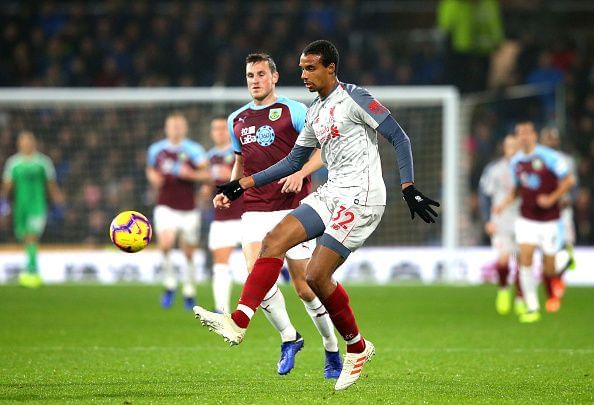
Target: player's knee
column 303, row 290
column 272, row 245
column 314, row 280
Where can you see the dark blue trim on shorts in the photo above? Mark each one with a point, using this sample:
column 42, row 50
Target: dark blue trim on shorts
column 332, row 244
column 311, row 221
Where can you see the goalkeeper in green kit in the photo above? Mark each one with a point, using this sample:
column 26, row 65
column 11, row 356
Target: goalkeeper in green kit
column 28, row 177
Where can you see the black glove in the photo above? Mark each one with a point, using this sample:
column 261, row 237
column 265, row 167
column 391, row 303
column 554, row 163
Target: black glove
column 420, row 204
column 231, row 190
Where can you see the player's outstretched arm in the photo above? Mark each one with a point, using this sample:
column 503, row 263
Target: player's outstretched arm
column 293, row 162
column 416, row 201
column 294, row 182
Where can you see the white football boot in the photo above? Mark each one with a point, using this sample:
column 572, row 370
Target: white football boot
column 352, row 366
column 221, row 324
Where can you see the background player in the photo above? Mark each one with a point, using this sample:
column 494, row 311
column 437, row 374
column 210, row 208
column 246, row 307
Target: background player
column 344, row 120
column 495, row 185
column 225, row 229
column 564, row 259
column 30, row 176
column 262, row 133
column 174, row 165
column 541, row 178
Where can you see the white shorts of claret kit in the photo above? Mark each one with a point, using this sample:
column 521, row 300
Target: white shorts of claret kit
column 542, row 234
column 187, row 223
column 349, row 223
column 255, row 225
column 225, row 233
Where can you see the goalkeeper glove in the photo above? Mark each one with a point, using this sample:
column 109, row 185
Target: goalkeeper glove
column 420, row 204
column 231, row 190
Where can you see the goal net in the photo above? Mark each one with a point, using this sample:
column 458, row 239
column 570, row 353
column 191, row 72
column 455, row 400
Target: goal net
column 98, row 138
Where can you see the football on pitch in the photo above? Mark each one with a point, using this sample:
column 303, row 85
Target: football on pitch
column 130, row 231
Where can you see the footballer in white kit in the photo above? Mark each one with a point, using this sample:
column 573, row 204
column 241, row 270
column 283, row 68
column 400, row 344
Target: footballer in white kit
column 495, row 185
column 344, row 121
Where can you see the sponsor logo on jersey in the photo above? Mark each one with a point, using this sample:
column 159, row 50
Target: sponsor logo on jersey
column 530, row 180
column 275, row 113
column 248, row 135
column 265, row 135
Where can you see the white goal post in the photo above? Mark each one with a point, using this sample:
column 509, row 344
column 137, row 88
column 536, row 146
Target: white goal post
column 443, row 100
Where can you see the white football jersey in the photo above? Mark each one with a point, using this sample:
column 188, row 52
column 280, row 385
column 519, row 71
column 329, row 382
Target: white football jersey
column 497, row 182
column 344, row 126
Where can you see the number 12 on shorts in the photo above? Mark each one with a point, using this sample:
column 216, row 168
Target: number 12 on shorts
column 342, row 218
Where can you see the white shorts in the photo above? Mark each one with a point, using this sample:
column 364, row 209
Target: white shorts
column 187, row 223
column 224, row 234
column 255, row 225
column 348, row 223
column 542, row 234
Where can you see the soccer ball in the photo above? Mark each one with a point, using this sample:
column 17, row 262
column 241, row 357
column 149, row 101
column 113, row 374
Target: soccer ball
column 130, row 231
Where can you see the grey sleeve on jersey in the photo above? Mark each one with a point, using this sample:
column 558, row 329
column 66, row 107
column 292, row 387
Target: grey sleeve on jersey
column 293, row 162
column 390, row 130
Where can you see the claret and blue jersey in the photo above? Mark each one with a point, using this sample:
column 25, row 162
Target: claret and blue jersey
column 168, row 159
column 263, row 135
column 538, row 173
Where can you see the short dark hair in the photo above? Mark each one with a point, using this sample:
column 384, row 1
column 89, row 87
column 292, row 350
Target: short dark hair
column 327, row 51
column 261, row 57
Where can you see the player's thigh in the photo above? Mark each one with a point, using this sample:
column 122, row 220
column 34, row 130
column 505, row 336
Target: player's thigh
column 35, row 225
column 19, row 223
column 222, row 255
column 526, row 254
column 251, row 251
column 224, row 234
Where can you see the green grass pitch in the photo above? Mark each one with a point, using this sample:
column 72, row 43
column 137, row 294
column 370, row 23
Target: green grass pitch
column 434, row 344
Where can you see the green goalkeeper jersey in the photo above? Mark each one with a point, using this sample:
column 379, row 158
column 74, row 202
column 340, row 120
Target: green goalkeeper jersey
column 29, row 176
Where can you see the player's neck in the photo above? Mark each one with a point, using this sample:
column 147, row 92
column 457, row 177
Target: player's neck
column 269, row 99
column 223, row 146
column 529, row 149
column 325, row 92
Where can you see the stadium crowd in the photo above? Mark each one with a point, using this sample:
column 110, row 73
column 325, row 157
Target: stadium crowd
column 178, row 43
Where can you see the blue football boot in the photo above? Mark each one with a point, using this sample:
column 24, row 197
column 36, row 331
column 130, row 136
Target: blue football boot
column 333, row 365
column 167, row 299
column 189, row 303
column 288, row 352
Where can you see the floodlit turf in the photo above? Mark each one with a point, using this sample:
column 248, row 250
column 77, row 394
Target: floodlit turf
column 436, row 344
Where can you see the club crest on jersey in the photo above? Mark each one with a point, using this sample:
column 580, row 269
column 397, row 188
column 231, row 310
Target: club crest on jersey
column 274, row 114
column 537, row 164
column 265, row 135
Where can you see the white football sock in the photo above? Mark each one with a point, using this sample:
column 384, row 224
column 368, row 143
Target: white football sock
column 189, row 276
column 275, row 310
column 221, row 286
column 529, row 288
column 169, row 279
column 324, row 325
